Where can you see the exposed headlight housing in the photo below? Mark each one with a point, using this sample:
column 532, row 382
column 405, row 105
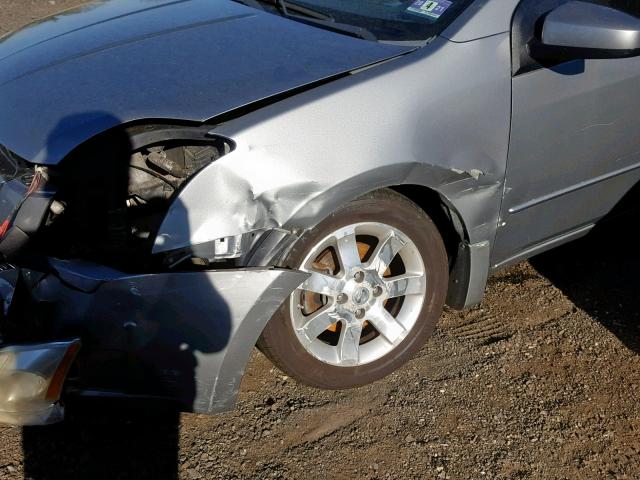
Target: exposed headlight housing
column 31, row 380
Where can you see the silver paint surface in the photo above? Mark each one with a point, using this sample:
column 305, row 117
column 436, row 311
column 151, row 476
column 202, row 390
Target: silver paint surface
column 574, row 151
column 90, row 69
column 524, row 162
column 297, row 161
column 585, row 25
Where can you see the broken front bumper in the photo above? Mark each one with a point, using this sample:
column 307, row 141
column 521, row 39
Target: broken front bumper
column 184, row 337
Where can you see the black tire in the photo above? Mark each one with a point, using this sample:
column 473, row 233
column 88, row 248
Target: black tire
column 279, row 341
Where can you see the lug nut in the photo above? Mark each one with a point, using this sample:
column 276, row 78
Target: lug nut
column 359, row 277
column 342, row 298
column 360, row 313
column 377, row 291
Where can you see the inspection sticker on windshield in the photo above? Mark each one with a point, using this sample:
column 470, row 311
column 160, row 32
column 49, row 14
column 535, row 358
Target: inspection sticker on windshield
column 430, row 8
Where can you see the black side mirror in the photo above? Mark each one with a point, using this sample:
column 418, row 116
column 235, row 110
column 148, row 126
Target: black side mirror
column 581, row 30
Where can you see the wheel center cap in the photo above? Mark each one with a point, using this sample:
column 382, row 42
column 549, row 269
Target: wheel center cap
column 361, row 296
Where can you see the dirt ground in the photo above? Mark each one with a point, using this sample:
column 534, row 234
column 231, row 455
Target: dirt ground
column 541, row 381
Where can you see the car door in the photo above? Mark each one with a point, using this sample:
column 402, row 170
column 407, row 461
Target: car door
column 575, row 142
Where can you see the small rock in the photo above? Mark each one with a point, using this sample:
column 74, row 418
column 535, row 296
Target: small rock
column 193, row 474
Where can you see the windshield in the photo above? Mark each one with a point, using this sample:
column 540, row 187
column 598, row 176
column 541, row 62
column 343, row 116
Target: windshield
column 392, row 20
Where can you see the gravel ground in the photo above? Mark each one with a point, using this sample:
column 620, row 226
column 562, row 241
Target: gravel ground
column 540, row 381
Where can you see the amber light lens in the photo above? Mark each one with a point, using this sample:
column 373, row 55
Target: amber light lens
column 58, row 378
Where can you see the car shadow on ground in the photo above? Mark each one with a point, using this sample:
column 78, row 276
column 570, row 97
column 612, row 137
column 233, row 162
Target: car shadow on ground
column 105, row 444
column 599, row 274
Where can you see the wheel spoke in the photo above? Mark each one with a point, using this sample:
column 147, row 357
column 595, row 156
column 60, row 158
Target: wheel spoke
column 385, row 324
column 385, row 252
column 347, row 295
column 347, row 249
column 322, row 284
column 349, row 344
column 402, row 285
column 318, row 322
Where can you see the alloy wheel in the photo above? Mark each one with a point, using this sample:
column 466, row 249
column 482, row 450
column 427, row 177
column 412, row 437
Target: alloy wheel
column 364, row 295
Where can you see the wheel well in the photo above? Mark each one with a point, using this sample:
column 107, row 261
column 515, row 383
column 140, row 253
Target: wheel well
column 443, row 215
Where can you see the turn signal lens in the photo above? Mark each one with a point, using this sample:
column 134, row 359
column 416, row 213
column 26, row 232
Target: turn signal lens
column 58, row 378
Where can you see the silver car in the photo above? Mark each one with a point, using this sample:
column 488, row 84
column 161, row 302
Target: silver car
column 183, row 180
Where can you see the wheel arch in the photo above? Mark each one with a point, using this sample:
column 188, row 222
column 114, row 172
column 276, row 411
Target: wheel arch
column 259, row 194
column 453, row 230
column 449, row 222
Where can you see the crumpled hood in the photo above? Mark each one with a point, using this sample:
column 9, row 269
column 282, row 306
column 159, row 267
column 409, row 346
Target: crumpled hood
column 67, row 78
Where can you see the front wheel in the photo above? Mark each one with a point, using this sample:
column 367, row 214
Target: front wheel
column 378, row 283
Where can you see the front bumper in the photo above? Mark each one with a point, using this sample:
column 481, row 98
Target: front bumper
column 30, row 382
column 183, row 337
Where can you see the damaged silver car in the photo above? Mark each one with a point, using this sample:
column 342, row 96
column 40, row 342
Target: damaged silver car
column 182, row 180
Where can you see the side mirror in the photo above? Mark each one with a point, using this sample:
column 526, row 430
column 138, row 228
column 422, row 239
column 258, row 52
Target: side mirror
column 581, row 30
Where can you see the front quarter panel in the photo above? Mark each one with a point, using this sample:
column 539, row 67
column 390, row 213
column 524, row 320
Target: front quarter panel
column 438, row 117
